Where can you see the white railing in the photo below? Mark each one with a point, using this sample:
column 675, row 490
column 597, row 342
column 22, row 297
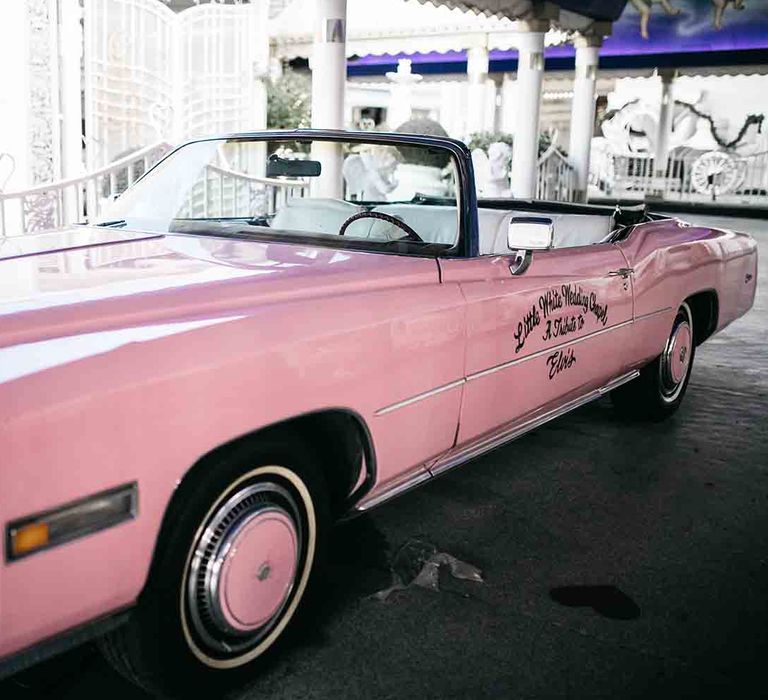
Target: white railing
column 59, row 204
column 222, row 192
column 225, row 192
column 690, row 175
column 555, row 177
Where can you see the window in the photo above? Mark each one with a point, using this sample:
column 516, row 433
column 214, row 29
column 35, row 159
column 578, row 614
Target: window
column 379, row 192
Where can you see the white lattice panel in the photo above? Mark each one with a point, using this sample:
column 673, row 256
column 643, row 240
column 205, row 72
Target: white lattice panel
column 221, row 59
column 129, row 76
column 151, row 74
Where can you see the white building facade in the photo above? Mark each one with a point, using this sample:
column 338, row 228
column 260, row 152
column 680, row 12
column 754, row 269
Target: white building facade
column 95, row 90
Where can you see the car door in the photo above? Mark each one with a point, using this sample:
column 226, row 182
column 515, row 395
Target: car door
column 539, row 339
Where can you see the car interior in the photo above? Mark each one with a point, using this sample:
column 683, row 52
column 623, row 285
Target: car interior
column 437, row 223
column 385, row 194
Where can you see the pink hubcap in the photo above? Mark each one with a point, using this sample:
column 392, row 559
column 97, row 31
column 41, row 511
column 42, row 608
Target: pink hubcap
column 679, row 353
column 258, row 570
column 242, row 571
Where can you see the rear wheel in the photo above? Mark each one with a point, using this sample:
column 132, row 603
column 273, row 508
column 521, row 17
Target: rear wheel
column 233, row 565
column 659, row 390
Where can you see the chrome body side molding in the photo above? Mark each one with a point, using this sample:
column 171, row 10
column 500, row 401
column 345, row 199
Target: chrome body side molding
column 486, row 443
column 546, row 351
column 651, row 314
column 505, row 365
column 410, row 481
column 518, row 428
column 419, row 397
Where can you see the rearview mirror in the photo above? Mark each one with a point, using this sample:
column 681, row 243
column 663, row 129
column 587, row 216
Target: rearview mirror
column 277, row 166
column 530, row 233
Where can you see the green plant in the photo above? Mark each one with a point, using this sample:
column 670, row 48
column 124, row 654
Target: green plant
column 545, row 141
column 288, row 101
column 483, row 139
column 422, row 155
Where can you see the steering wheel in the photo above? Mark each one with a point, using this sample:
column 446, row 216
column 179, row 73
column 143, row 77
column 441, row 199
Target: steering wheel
column 411, row 235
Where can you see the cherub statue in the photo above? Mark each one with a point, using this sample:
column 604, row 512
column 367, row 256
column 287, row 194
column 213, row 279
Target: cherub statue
column 720, row 6
column 370, row 174
column 644, row 7
column 499, row 156
column 492, row 169
column 482, row 168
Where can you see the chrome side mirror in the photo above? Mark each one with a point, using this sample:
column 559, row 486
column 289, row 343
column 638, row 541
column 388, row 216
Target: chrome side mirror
column 530, row 233
column 526, row 234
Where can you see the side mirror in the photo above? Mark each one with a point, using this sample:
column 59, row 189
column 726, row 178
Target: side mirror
column 530, row 233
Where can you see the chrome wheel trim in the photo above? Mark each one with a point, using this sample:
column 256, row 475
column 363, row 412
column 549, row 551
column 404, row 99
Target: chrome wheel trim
column 218, row 646
column 670, row 388
column 213, row 547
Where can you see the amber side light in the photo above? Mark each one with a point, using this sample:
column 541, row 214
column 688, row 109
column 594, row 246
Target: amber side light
column 29, row 538
column 86, row 516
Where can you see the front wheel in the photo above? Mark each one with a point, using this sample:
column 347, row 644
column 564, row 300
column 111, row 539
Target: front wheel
column 241, row 543
column 659, row 390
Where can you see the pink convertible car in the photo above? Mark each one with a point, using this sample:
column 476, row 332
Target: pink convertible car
column 271, row 331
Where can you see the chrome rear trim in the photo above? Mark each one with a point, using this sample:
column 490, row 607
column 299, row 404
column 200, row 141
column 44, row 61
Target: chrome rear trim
column 487, row 443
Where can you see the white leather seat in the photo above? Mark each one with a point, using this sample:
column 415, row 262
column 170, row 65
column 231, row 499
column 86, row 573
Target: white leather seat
column 492, row 226
column 570, row 230
column 434, row 224
column 314, row 215
column 573, row 230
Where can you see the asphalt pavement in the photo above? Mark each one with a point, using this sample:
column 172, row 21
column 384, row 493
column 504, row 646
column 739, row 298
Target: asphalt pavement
column 618, row 560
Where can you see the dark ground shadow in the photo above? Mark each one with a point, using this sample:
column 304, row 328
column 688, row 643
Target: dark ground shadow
column 607, row 601
column 357, row 565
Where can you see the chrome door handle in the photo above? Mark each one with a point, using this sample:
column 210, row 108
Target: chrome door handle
column 621, row 272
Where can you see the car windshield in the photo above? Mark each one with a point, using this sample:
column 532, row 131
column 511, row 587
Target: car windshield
column 354, row 193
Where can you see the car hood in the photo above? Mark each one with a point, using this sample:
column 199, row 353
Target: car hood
column 88, row 278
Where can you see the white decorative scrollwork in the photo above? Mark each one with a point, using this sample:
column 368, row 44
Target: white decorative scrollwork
column 7, row 168
column 42, row 82
column 40, row 211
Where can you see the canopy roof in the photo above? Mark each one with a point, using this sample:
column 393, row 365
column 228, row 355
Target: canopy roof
column 604, row 10
column 398, row 26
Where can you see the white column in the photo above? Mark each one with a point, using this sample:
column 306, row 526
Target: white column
column 530, row 71
column 583, row 110
column 508, row 101
column 71, row 53
column 451, row 108
column 495, row 100
column 70, row 56
column 265, row 68
column 329, row 76
column 477, row 95
column 666, row 112
column 15, row 160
